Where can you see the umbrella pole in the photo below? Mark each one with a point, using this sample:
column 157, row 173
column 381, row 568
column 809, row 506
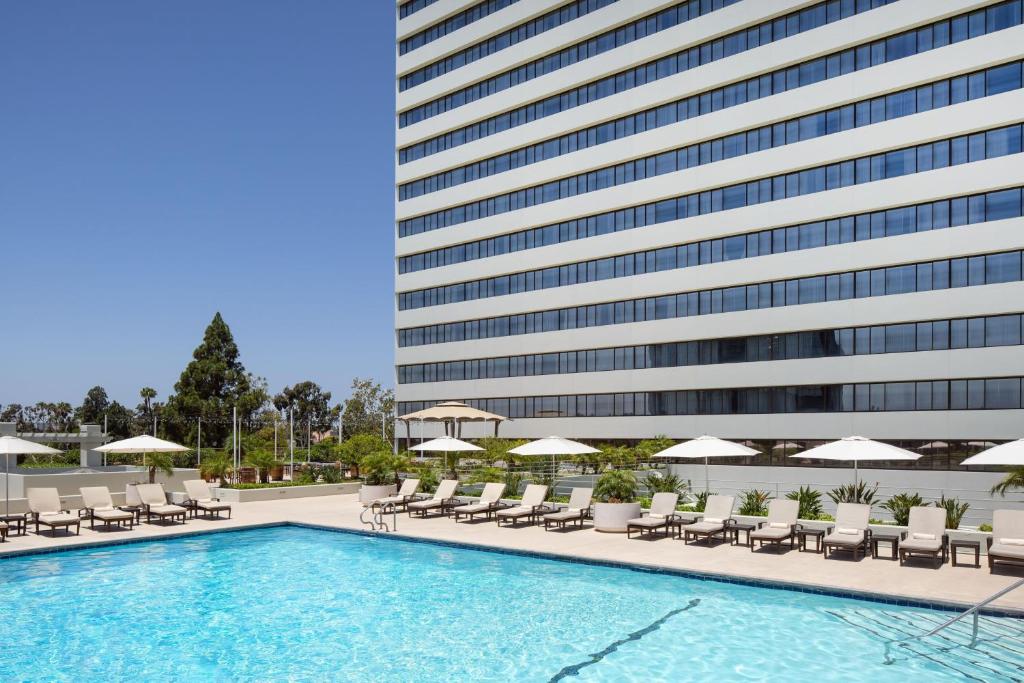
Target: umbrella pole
column 856, row 476
column 707, row 476
column 7, row 483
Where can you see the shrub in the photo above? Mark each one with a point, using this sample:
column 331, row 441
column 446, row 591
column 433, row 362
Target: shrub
column 955, row 511
column 616, row 486
column 985, row 527
column 485, row 475
column 382, row 468
column 319, row 474
column 701, row 500
column 854, row 493
column 809, row 501
column 755, row 502
column 900, row 504
column 429, row 478
column 513, row 481
column 656, row 482
column 263, row 461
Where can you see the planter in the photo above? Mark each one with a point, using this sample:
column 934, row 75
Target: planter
column 277, row 473
column 612, row 517
column 368, row 494
column 284, row 492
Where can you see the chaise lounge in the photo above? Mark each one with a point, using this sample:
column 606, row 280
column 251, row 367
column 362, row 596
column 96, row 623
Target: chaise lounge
column 489, row 502
column 851, row 531
column 406, row 494
column 442, row 500
column 154, row 503
column 1007, row 541
column 925, row 535
column 46, row 509
column 716, row 519
column 200, row 497
column 530, row 507
column 3, row 532
column 98, row 505
column 781, row 525
column 579, row 507
column 660, row 516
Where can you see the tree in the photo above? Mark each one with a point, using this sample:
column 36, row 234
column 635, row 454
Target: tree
column 310, row 405
column 364, row 409
column 94, row 406
column 211, row 384
column 1014, row 479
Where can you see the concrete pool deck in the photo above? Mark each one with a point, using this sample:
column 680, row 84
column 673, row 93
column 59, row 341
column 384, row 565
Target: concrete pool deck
column 918, row 581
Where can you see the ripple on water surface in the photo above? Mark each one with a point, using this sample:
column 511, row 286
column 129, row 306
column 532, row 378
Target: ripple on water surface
column 300, row 604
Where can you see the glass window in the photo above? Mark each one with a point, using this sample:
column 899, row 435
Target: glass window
column 1002, row 330
column 1002, row 394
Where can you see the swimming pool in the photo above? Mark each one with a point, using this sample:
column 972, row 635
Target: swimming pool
column 294, row 603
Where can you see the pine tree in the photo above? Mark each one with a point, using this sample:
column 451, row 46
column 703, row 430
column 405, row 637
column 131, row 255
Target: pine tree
column 212, row 383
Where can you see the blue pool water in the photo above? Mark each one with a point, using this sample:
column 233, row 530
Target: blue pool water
column 292, row 603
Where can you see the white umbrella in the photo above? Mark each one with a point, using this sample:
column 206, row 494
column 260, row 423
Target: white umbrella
column 707, row 447
column 857, row 448
column 142, row 444
column 12, row 445
column 1011, row 453
column 446, row 445
column 553, row 445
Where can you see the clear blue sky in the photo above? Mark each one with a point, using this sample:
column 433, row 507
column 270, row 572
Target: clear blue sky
column 160, row 161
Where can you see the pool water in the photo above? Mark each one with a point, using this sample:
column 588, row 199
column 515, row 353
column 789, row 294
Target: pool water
column 301, row 604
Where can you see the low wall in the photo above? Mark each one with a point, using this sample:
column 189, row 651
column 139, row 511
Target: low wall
column 285, row 492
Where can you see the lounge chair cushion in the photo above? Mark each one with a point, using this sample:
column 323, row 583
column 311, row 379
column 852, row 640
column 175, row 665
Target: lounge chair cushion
column 562, row 515
column 212, row 505
column 518, row 511
column 713, row 520
column 167, row 509
column 426, row 504
column 705, row 527
column 390, row 499
column 1002, row 550
column 849, row 532
column 58, row 519
column 112, row 515
column 851, row 539
column 780, row 525
column 474, row 507
column 923, row 537
column 1011, row 541
column 771, row 533
column 921, row 545
column 649, row 521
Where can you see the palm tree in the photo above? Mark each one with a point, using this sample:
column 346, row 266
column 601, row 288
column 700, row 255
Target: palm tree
column 1014, row 480
column 162, row 461
column 147, row 394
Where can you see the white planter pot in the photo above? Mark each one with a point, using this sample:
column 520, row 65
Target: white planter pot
column 368, row 494
column 612, row 517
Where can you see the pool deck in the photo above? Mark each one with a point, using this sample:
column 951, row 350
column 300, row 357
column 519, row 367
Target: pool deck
column 918, row 581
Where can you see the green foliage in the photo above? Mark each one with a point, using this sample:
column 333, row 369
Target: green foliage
column 66, row 459
column 701, row 500
column 429, row 478
column 362, row 411
column 825, row 517
column 648, row 447
column 318, row 474
column 809, row 501
column 269, row 485
column 656, row 482
column 212, row 384
column 955, row 511
column 854, row 493
column 215, row 465
column 264, row 461
column 382, row 467
column 498, row 449
column 755, row 502
column 485, row 475
column 985, row 527
column 900, row 504
column 354, row 449
column 616, row 486
column 309, row 405
column 513, row 482
column 1014, row 479
column 159, row 461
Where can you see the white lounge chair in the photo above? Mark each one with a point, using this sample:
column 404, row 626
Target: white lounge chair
column 580, row 501
column 851, row 531
column 489, row 502
column 200, row 497
column 406, row 494
column 716, row 518
column 925, row 535
column 781, row 524
column 97, row 504
column 442, row 499
column 154, row 503
column 46, row 509
column 530, row 507
column 1007, row 541
column 3, row 532
column 661, row 514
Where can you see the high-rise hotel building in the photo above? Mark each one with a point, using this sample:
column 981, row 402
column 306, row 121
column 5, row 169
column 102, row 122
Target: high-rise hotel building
column 759, row 219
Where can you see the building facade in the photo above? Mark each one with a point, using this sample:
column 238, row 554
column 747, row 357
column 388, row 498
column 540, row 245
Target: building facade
column 775, row 220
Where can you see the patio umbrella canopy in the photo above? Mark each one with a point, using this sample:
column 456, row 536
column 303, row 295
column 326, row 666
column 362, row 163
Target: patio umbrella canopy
column 142, row 444
column 857, row 449
column 1011, row 453
column 707, row 447
column 12, row 445
column 553, row 445
column 454, row 412
column 446, row 445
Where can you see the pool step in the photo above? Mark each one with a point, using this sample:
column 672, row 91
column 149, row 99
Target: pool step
column 997, row 656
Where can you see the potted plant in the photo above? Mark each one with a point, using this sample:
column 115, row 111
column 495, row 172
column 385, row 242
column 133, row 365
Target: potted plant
column 265, row 463
column 380, row 475
column 616, row 493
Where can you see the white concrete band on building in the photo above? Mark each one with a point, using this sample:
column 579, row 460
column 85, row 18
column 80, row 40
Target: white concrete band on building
column 986, row 35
